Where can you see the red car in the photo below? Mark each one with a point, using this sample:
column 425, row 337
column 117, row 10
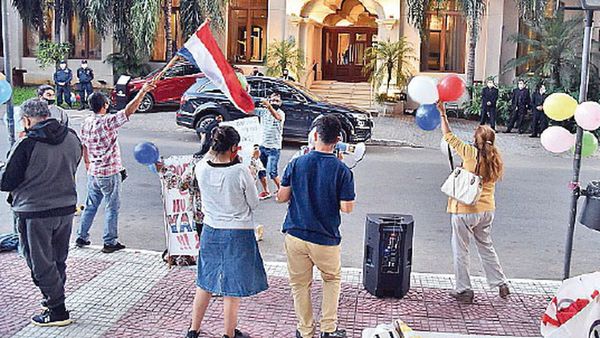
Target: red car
column 169, row 89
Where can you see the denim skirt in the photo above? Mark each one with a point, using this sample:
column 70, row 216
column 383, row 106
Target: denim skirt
column 230, row 263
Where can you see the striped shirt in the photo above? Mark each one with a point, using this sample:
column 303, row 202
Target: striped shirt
column 272, row 128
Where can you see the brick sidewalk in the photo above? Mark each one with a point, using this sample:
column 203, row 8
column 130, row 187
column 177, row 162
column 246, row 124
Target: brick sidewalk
column 134, row 294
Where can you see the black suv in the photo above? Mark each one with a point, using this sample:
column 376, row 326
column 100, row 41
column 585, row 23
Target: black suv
column 203, row 101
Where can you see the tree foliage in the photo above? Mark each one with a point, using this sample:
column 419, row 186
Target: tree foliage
column 194, row 12
column 283, row 54
column 532, row 11
column 389, row 61
column 50, row 53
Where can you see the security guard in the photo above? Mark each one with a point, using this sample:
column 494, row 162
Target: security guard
column 520, row 103
column 85, row 76
column 62, row 80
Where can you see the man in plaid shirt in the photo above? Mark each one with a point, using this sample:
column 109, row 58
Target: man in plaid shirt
column 102, row 157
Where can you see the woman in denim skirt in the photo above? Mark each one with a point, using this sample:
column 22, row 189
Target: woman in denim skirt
column 229, row 262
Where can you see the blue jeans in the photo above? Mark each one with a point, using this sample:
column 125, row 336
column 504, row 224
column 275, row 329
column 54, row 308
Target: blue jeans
column 102, row 188
column 270, row 159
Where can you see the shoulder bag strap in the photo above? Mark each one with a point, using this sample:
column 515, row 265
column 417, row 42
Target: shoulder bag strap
column 450, row 158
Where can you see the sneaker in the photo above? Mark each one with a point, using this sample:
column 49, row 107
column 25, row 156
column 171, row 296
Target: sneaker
column 533, row 135
column 80, row 243
column 338, row 333
column 507, row 131
column 503, row 291
column 44, row 305
column 264, row 195
column 192, row 334
column 112, row 248
column 464, row 296
column 298, row 334
column 51, row 318
column 259, row 232
column 238, row 334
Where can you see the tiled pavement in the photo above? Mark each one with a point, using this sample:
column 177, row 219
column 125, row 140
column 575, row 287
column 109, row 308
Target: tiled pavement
column 134, row 294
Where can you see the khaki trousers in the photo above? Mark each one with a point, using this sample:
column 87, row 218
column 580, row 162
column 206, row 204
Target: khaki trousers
column 301, row 257
column 478, row 226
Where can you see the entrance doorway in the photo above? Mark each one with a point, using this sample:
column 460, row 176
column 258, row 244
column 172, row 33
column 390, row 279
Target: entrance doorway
column 344, row 52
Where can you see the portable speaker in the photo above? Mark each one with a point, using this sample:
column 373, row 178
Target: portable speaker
column 388, row 254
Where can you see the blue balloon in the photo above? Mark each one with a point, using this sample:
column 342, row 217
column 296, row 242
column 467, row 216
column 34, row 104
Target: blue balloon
column 5, row 91
column 428, row 117
column 146, row 153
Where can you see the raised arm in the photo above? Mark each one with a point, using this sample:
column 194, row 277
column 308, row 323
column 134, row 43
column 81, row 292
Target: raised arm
column 445, row 125
column 133, row 106
column 271, row 110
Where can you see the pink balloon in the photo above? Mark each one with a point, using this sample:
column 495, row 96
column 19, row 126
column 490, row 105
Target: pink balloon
column 557, row 139
column 587, row 115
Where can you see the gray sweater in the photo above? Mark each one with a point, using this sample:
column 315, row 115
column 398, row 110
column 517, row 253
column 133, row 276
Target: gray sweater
column 229, row 195
column 40, row 172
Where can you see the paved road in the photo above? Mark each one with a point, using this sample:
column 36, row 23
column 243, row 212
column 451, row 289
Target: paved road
column 530, row 222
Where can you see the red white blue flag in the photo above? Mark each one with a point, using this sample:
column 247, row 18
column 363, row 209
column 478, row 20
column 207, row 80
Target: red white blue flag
column 202, row 50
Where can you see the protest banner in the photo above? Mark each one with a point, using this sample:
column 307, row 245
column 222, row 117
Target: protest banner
column 180, row 227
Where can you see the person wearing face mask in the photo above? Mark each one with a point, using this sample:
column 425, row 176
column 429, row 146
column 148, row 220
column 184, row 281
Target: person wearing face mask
column 520, row 101
column 85, row 76
column 229, row 261
column 40, row 176
column 489, row 97
column 286, row 76
column 47, row 93
column 272, row 119
column 540, row 121
column 256, row 72
column 102, row 158
column 62, row 79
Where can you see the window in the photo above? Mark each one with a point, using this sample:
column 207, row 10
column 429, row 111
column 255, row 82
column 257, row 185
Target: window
column 86, row 43
column 443, row 48
column 247, row 35
column 174, row 72
column 191, row 70
column 524, row 49
column 32, row 37
column 159, row 53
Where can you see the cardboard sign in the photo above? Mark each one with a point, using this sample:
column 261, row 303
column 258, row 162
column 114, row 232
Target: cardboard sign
column 250, row 134
column 180, row 227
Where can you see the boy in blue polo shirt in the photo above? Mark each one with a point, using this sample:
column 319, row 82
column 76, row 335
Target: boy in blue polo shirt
column 317, row 186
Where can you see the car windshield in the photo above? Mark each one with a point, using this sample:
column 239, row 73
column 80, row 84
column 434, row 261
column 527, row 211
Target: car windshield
column 305, row 91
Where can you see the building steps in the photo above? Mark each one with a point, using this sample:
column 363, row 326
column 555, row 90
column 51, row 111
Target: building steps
column 356, row 94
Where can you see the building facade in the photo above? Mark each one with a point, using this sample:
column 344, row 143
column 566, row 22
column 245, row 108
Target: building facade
column 333, row 35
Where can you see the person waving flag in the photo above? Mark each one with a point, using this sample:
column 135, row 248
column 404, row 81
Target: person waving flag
column 202, row 50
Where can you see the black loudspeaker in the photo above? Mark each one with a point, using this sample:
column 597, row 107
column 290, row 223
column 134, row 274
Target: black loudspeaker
column 122, row 92
column 388, row 254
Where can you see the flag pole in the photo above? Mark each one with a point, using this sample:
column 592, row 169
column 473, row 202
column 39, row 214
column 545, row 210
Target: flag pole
column 164, row 70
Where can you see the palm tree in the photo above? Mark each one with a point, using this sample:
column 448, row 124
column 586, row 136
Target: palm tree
column 389, row 61
column 32, row 12
column 194, row 12
column 533, row 10
column 167, row 9
column 283, row 54
column 553, row 49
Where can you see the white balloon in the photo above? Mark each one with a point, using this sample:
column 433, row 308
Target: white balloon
column 423, row 90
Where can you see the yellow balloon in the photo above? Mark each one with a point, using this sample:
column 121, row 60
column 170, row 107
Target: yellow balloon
column 2, row 77
column 560, row 106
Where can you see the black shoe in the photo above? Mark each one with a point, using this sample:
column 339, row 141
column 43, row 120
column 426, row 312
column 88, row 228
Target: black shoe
column 298, row 334
column 52, row 318
column 192, row 334
column 112, row 248
column 80, row 243
column 338, row 333
column 521, row 132
column 533, row 135
column 238, row 334
column 44, row 304
column 507, row 131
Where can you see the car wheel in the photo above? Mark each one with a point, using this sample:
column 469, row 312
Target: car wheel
column 147, row 104
column 203, row 122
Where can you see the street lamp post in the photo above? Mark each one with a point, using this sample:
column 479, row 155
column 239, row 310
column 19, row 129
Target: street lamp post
column 10, row 117
column 589, row 6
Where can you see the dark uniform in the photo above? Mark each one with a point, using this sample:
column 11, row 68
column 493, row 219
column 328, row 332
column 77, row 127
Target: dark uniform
column 62, row 80
column 85, row 76
column 540, row 121
column 489, row 97
column 520, row 102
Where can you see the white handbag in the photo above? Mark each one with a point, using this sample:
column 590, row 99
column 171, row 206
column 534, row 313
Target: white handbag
column 463, row 185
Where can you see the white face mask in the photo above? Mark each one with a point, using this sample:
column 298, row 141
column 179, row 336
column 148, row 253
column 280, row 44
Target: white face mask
column 490, row 85
column 63, row 66
column 542, row 90
column 521, row 86
column 84, row 66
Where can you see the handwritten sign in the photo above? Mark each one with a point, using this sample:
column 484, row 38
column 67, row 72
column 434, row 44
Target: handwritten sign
column 250, row 134
column 180, row 227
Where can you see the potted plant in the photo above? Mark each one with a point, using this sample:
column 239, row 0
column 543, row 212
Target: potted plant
column 283, row 54
column 388, row 62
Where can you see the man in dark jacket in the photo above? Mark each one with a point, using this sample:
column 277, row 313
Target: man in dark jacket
column 40, row 176
column 85, row 76
column 489, row 97
column 520, row 102
column 540, row 121
column 62, row 79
